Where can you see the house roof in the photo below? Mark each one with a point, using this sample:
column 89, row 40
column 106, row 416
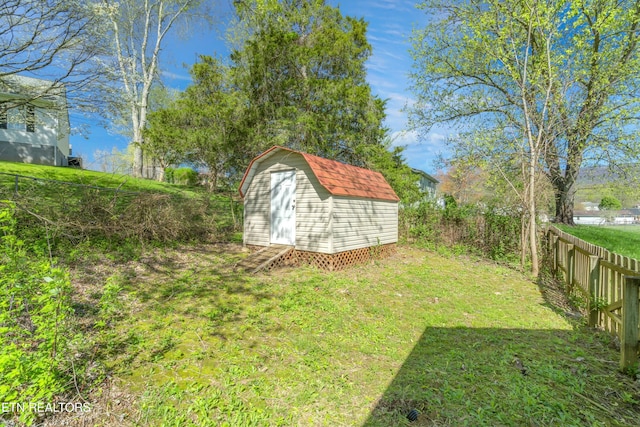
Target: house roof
column 338, row 178
column 29, row 88
column 424, row 174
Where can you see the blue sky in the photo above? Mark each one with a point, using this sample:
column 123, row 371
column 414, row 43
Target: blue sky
column 390, row 26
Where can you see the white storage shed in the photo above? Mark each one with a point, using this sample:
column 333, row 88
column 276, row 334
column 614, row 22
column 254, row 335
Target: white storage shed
column 318, row 206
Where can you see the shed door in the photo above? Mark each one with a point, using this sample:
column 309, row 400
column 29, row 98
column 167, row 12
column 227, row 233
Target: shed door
column 283, row 207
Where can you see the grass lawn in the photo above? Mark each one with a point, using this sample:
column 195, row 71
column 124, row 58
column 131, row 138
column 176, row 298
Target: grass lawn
column 466, row 342
column 81, row 176
column 623, row 239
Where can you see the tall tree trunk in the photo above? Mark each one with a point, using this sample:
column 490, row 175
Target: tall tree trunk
column 160, row 173
column 564, row 204
column 533, row 240
column 137, row 161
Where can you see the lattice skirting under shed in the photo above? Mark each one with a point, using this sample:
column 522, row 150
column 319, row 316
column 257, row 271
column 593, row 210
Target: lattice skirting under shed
column 331, row 262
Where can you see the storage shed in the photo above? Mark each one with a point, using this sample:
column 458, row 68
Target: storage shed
column 331, row 213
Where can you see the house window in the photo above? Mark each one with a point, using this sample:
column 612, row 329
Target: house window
column 16, row 118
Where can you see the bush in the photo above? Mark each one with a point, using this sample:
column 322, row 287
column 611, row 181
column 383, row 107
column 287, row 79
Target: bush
column 490, row 231
column 609, row 203
column 185, row 176
column 169, row 175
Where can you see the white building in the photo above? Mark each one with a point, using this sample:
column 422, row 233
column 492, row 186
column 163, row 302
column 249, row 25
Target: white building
column 316, row 205
column 34, row 121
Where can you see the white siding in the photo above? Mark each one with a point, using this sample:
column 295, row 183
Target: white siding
column 47, row 131
column 360, row 223
column 312, row 211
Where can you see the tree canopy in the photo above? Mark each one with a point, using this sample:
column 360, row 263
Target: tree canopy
column 302, row 68
column 579, row 98
column 296, row 79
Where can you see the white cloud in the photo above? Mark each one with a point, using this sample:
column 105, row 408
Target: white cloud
column 175, row 76
column 404, row 137
column 432, row 142
column 398, row 6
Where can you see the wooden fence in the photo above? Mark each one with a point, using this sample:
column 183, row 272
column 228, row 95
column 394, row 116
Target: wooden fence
column 609, row 282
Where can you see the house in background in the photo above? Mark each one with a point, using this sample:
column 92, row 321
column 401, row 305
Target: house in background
column 34, row 121
column 609, row 217
column 331, row 214
column 426, row 183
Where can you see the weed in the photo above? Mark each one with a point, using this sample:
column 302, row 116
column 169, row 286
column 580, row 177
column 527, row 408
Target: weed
column 35, row 322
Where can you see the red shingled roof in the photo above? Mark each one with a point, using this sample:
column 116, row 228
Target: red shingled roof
column 338, row 178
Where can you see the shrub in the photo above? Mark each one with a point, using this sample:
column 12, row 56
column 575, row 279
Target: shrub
column 490, row 231
column 609, row 203
column 185, row 176
column 169, row 175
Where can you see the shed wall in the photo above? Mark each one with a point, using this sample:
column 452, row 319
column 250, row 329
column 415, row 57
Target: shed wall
column 360, row 223
column 312, row 204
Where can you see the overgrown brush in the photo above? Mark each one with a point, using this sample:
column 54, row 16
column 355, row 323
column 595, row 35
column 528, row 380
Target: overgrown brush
column 76, row 213
column 488, row 230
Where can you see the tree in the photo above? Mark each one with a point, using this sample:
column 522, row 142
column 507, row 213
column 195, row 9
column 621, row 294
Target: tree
column 501, row 81
column 389, row 161
column 137, row 31
column 52, row 40
column 464, row 181
column 214, row 115
column 164, row 139
column 582, row 63
column 204, row 126
column 301, row 65
column 609, row 203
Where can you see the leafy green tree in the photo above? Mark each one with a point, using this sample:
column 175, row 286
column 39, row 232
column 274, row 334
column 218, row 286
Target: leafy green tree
column 204, row 126
column 562, row 76
column 164, row 139
column 214, row 121
column 392, row 165
column 136, row 31
column 301, row 65
column 609, row 203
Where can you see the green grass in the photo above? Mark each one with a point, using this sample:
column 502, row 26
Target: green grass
column 86, row 177
column 112, row 208
column 466, row 342
column 623, row 240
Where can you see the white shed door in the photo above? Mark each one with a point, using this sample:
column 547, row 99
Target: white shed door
column 283, row 207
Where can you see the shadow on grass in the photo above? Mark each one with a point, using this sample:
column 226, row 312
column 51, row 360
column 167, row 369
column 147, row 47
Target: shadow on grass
column 509, row 377
column 168, row 296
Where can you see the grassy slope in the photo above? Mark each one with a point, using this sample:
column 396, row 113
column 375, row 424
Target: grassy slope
column 464, row 341
column 86, row 177
column 623, row 240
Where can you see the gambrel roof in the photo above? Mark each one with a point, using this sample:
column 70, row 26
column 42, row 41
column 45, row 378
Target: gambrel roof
column 338, row 178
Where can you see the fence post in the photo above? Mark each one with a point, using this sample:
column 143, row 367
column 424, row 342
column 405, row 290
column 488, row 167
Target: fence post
column 594, row 289
column 629, row 341
column 554, row 248
column 571, row 259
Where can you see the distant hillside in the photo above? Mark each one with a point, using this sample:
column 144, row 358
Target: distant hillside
column 597, row 182
column 603, row 175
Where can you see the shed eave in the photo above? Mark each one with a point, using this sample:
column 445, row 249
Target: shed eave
column 250, row 172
